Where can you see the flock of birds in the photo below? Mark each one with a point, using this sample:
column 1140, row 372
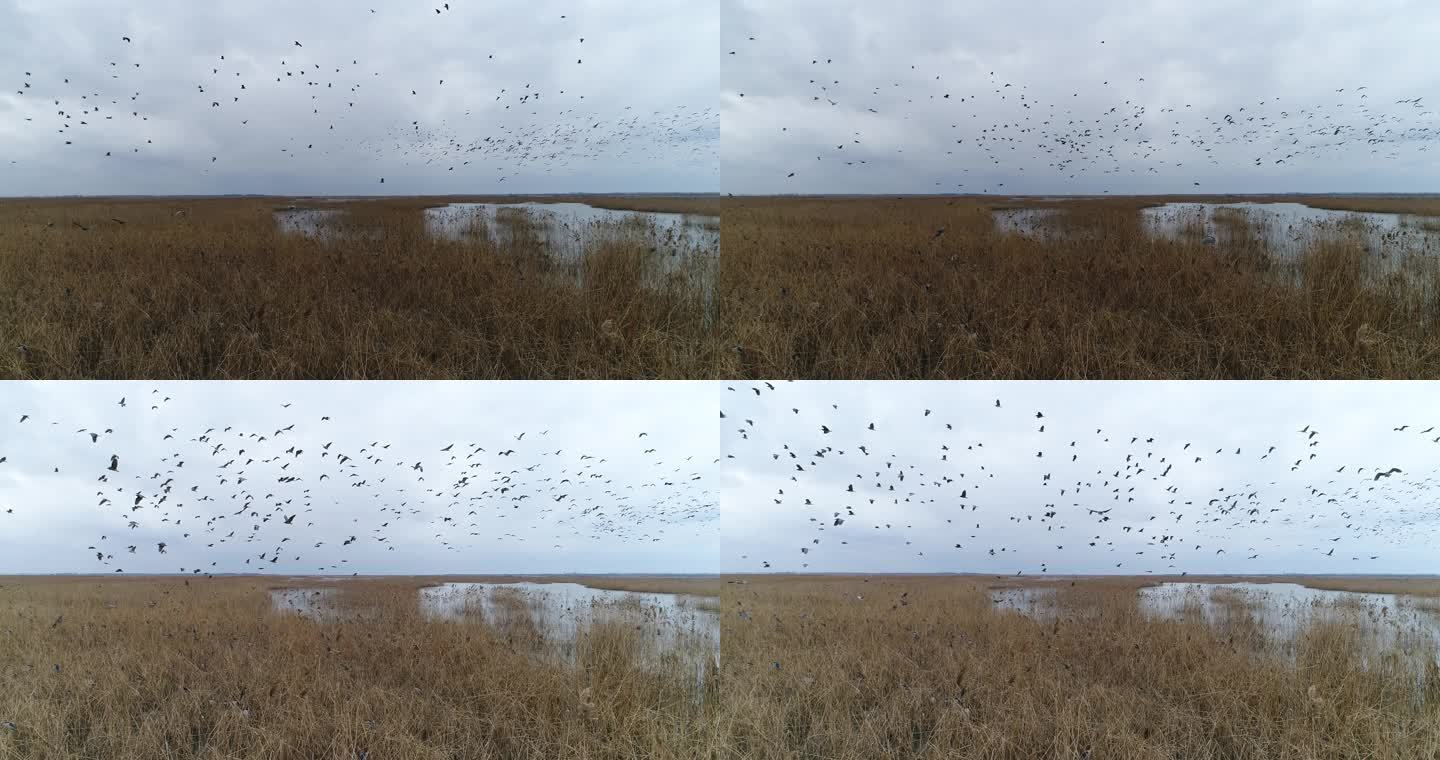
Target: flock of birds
column 241, row 103
column 289, row 498
column 1128, row 500
column 998, row 126
column 252, row 498
column 318, row 101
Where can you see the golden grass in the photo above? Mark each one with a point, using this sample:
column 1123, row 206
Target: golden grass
column 862, row 289
column 1422, row 587
column 702, row 586
column 929, row 668
column 221, row 293
column 1426, row 206
column 164, row 668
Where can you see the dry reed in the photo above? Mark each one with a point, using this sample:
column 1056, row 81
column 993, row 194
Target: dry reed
column 147, row 668
column 128, row 289
column 850, row 668
column 869, row 289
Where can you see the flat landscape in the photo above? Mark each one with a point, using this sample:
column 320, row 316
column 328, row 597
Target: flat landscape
column 357, row 570
column 1078, row 192
column 393, row 288
column 498, row 202
column 1199, row 287
column 1078, row 667
column 1143, row 570
column 145, row 667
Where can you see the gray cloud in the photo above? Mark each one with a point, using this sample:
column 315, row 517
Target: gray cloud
column 581, row 491
column 638, row 114
column 991, row 491
column 873, row 77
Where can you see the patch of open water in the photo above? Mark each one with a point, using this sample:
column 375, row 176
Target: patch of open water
column 680, row 623
column 1291, row 228
column 1285, row 228
column 1284, row 611
column 564, row 228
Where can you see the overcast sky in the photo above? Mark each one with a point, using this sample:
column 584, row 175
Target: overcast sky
column 990, row 491
column 631, row 108
column 579, row 491
column 874, row 77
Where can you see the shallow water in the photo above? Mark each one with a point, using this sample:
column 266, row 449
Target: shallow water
column 683, row 248
column 1285, row 228
column 317, row 603
column 1290, row 228
column 1283, row 612
column 314, row 222
column 564, row 610
column 564, row 228
column 1029, row 222
column 1037, row 602
column 567, row 227
column 561, row 611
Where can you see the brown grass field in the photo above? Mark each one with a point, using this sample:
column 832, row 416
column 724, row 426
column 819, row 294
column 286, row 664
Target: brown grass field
column 862, row 288
column 205, row 668
column 928, row 667
column 124, row 288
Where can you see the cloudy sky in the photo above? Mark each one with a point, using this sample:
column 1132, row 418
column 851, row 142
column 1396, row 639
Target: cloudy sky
column 990, row 491
column 215, row 97
column 541, row 477
column 1049, row 99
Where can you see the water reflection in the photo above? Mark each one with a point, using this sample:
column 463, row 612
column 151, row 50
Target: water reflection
column 316, row 603
column 1037, row 601
column 560, row 613
column 566, row 228
column 678, row 250
column 563, row 611
column 1290, row 228
column 312, row 222
column 1284, row 228
column 1283, row 612
column 1041, row 223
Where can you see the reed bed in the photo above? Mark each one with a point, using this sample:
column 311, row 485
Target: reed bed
column 1418, row 205
column 871, row 289
column 842, row 668
column 211, row 289
column 205, row 668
